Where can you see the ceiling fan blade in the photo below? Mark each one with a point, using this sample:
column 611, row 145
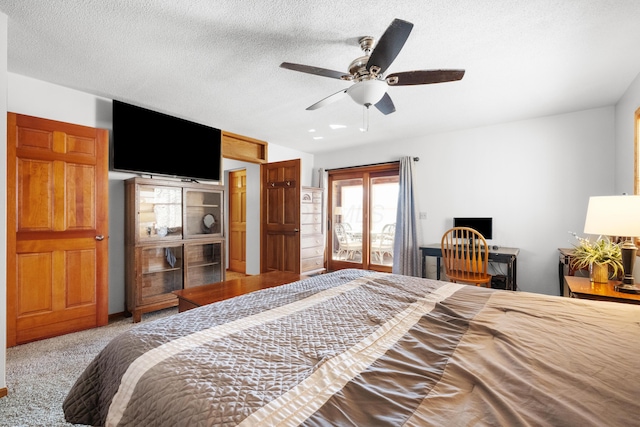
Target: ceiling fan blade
column 423, row 77
column 390, row 44
column 385, row 105
column 313, row 70
column 328, row 100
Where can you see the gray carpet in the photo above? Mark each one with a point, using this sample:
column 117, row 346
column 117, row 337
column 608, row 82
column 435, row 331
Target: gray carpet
column 40, row 374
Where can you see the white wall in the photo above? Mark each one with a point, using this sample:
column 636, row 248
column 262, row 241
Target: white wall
column 625, row 138
column 533, row 177
column 41, row 99
column 279, row 153
column 625, row 125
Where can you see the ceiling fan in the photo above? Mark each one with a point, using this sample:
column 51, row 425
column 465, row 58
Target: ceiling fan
column 370, row 87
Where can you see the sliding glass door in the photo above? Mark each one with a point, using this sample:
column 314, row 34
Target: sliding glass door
column 347, row 222
column 363, row 204
column 382, row 224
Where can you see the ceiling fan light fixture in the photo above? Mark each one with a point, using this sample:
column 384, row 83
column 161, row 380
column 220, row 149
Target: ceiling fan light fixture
column 369, row 87
column 367, row 92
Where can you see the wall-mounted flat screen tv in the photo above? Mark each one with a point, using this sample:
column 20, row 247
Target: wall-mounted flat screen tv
column 483, row 225
column 152, row 143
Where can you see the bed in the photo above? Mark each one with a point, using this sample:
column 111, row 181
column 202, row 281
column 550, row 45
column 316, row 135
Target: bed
column 361, row 348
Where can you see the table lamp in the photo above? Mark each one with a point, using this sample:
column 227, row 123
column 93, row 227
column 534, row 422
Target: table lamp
column 337, row 211
column 617, row 216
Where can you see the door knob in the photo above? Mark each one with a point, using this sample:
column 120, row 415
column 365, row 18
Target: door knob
column 99, row 237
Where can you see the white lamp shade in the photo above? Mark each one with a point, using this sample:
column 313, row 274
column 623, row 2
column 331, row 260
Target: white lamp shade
column 367, row 92
column 613, row 216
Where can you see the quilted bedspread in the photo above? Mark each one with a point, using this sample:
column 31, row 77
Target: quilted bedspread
column 370, row 349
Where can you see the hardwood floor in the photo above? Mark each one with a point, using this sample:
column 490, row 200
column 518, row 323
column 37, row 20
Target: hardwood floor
column 234, row 275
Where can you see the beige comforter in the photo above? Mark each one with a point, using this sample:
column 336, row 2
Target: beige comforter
column 370, row 349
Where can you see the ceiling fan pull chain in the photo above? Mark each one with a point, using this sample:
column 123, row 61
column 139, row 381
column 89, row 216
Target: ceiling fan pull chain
column 365, row 119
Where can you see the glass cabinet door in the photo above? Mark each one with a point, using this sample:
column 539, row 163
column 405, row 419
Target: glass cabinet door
column 203, row 213
column 204, row 263
column 161, row 271
column 159, row 212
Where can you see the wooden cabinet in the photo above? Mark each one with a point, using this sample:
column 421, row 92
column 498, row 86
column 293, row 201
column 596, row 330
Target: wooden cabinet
column 204, row 263
column 174, row 240
column 202, row 212
column 160, row 272
column 311, row 231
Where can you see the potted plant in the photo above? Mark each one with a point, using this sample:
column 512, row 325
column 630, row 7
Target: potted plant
column 603, row 258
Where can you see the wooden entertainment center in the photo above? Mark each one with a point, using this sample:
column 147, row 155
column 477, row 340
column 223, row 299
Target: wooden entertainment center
column 174, row 240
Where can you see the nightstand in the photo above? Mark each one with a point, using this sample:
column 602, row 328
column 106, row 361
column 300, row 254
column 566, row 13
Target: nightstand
column 582, row 287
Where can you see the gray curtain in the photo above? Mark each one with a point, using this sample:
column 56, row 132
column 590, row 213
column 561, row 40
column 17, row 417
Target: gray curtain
column 323, row 182
column 406, row 258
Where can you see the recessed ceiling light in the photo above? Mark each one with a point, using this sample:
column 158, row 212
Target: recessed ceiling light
column 311, row 130
column 334, row 127
column 318, row 137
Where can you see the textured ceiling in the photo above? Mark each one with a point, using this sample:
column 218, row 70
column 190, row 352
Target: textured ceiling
column 217, row 62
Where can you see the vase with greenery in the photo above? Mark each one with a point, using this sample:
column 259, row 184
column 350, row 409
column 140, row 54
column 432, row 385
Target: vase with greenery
column 603, row 258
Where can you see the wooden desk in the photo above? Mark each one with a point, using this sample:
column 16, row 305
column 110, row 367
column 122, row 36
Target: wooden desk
column 502, row 255
column 582, row 287
column 206, row 294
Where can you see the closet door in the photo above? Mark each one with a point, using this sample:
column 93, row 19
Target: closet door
column 238, row 221
column 57, row 232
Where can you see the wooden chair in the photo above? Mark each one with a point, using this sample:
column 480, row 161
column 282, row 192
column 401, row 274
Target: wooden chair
column 465, row 254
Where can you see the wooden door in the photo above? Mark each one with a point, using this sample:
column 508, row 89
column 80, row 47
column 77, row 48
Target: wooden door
column 57, row 228
column 280, row 242
column 238, row 221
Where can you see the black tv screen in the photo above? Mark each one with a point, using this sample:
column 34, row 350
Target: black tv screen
column 153, row 143
column 483, row 225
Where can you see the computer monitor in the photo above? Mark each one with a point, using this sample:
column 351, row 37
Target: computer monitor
column 483, row 225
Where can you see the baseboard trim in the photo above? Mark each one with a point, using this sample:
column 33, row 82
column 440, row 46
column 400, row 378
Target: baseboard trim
column 4, row 392
column 118, row 316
